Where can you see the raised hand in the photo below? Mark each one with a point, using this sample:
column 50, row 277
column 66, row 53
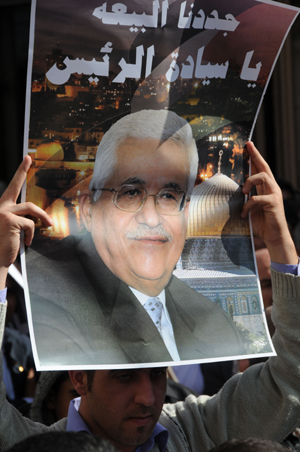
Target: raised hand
column 267, row 211
column 13, row 221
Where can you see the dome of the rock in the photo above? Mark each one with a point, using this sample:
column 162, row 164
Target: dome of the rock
column 50, row 150
column 215, row 209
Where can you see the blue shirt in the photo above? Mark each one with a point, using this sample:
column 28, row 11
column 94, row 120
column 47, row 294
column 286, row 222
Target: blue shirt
column 75, row 423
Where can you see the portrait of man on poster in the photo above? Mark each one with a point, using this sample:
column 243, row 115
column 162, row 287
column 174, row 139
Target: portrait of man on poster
column 110, row 296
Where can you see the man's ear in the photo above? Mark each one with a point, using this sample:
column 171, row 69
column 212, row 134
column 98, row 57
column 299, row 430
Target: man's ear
column 79, row 380
column 85, row 204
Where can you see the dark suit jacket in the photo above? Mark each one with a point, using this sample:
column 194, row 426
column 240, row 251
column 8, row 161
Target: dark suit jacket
column 83, row 314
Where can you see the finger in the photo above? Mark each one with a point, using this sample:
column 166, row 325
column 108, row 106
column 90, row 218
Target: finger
column 27, row 226
column 267, row 202
column 13, row 190
column 28, row 229
column 259, row 180
column 258, row 163
column 28, row 208
column 10, row 239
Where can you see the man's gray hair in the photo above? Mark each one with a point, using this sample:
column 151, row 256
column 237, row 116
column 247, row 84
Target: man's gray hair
column 160, row 125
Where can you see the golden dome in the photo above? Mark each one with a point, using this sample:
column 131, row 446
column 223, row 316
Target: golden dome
column 49, row 150
column 215, row 209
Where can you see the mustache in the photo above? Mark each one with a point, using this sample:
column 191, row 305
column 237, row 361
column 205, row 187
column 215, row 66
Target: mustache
column 143, row 231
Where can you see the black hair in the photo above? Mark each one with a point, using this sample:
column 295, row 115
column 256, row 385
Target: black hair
column 90, row 378
column 63, row 442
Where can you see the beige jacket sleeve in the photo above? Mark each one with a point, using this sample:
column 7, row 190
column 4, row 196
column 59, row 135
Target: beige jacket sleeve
column 263, row 402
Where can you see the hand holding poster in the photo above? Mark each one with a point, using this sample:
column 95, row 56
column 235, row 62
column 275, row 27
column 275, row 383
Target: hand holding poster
column 171, row 102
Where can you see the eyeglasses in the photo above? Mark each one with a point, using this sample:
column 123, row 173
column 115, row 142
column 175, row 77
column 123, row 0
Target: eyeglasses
column 131, row 198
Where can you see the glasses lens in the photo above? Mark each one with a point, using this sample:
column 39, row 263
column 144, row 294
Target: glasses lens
column 170, row 202
column 129, row 197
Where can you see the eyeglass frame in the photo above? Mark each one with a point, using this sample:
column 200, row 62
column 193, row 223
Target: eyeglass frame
column 115, row 191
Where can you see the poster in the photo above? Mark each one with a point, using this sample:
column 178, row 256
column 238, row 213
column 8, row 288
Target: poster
column 177, row 82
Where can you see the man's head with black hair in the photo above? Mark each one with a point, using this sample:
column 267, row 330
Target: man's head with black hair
column 63, row 442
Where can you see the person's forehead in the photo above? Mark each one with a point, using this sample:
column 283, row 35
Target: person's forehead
column 148, row 160
column 134, row 149
column 263, row 258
